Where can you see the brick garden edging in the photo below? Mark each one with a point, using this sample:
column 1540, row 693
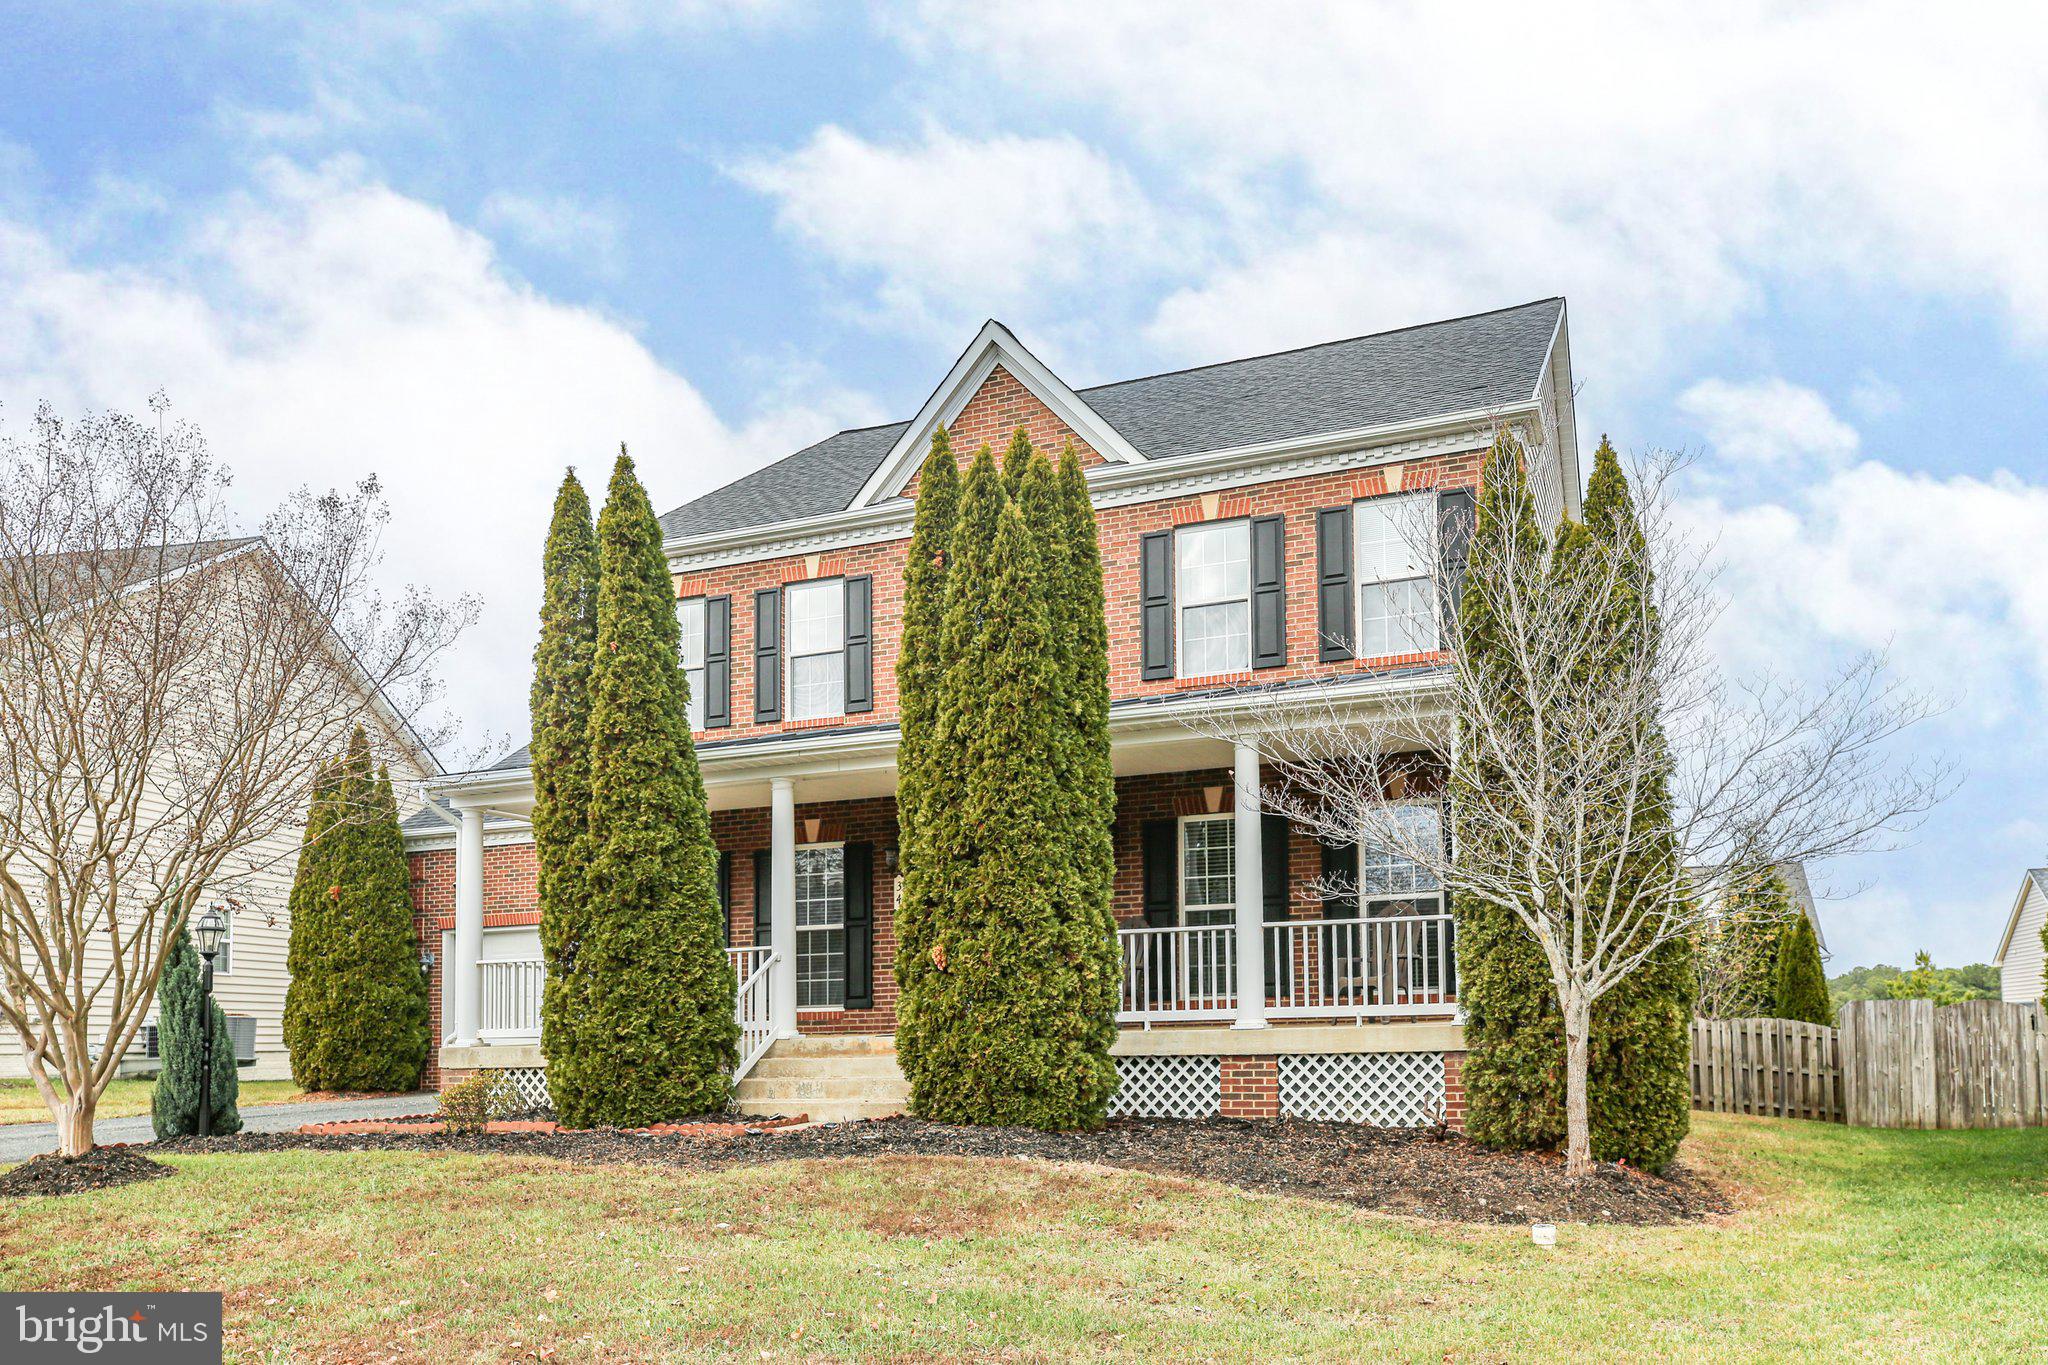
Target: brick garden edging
column 424, row 1124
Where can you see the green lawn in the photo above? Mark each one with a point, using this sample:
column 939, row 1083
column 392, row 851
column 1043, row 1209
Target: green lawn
column 19, row 1102
column 1887, row 1245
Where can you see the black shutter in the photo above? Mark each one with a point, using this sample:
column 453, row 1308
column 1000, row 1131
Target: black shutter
column 1273, row 837
column 860, row 644
column 1159, row 841
column 1455, row 514
column 764, row 893
column 767, row 655
column 1333, row 584
column 717, row 662
column 860, row 926
column 1340, row 865
column 1269, row 591
column 1159, row 844
column 725, row 896
column 1155, row 593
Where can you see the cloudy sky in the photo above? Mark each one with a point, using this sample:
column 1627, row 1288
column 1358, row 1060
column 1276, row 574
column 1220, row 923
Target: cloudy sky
column 462, row 244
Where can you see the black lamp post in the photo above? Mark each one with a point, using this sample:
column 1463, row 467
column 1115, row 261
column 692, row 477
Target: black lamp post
column 206, row 936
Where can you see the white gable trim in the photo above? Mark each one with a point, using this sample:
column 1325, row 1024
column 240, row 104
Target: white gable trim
column 2019, row 908
column 994, row 345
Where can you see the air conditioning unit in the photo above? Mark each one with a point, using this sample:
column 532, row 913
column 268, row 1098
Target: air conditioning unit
column 242, row 1029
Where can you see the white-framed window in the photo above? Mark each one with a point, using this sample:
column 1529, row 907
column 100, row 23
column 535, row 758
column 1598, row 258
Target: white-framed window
column 1396, row 542
column 821, row 926
column 224, row 960
column 1208, row 869
column 692, row 614
column 1213, row 586
column 1389, row 884
column 816, row 640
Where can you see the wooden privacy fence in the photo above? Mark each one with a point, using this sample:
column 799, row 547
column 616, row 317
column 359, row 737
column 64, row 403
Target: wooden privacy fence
column 1980, row 1064
column 1778, row 1067
column 1889, row 1064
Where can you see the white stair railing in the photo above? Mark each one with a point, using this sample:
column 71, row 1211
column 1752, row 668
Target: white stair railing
column 754, row 1004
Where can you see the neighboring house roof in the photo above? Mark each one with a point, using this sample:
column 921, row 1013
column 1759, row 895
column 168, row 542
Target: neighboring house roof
column 2036, row 878
column 1460, row 365
column 1800, row 889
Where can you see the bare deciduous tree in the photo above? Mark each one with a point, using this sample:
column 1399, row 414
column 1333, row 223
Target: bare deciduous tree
column 168, row 689
column 1597, row 752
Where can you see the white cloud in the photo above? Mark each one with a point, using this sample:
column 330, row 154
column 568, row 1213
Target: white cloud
column 561, row 226
column 1769, row 422
column 956, row 227
column 320, row 326
column 1662, row 166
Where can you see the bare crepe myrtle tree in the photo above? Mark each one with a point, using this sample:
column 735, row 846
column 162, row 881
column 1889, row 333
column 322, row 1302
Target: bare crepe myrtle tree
column 1597, row 751
column 169, row 689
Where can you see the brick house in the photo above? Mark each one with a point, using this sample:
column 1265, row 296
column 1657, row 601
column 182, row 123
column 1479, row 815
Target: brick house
column 1251, row 520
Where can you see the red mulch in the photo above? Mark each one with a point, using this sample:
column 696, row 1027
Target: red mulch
column 103, row 1168
column 689, row 1128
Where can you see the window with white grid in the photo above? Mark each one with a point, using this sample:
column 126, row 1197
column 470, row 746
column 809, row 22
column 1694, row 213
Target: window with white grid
column 817, row 648
column 1213, row 582
column 821, row 926
column 1208, row 869
column 692, row 614
column 1396, row 594
column 1390, row 885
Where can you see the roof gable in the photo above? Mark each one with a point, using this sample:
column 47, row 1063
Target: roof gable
column 993, row 347
column 2036, row 879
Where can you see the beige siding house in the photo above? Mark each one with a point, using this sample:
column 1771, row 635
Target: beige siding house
column 250, row 976
column 2019, row 952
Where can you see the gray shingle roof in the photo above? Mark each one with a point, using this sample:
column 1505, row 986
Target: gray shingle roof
column 1477, row 362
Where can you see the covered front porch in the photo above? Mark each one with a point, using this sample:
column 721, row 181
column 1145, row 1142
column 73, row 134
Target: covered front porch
column 1213, row 892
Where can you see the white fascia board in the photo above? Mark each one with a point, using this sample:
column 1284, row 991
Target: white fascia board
column 994, row 345
column 1109, row 484
column 2012, row 923
column 1556, row 374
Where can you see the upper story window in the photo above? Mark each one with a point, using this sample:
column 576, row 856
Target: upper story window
column 1396, row 543
column 692, row 614
column 1213, row 579
column 817, row 648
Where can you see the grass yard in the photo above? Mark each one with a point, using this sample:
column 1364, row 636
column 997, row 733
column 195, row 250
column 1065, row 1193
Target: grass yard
column 19, row 1102
column 1886, row 1245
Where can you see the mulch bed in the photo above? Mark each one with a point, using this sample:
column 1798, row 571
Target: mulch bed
column 1421, row 1173
column 103, row 1168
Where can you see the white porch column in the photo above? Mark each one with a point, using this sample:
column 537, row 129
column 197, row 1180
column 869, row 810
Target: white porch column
column 467, row 978
column 782, row 900
column 1251, row 894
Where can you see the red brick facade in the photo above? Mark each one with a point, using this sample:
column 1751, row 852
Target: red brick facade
column 1251, row 1087
column 994, row 413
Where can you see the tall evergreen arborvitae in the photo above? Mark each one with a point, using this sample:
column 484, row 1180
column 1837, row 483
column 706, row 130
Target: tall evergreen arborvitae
column 1090, row 781
column 1639, row 1096
column 1002, row 1020
column 1801, row 988
column 356, row 1012
column 174, row 1103
column 560, row 705
column 1018, row 456
column 658, row 1039
column 1514, row 1032
column 1752, row 922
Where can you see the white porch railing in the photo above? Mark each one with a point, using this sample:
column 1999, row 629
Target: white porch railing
column 511, row 1000
column 1334, row 969
column 754, row 1004
column 1179, row 973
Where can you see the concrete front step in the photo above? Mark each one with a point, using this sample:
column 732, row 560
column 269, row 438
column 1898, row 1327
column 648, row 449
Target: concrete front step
column 825, row 1111
column 847, row 1064
column 835, row 1045
column 804, row 1089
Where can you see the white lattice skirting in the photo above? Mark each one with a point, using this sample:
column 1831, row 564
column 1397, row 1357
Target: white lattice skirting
column 1167, row 1088
column 1385, row 1089
column 527, row 1086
